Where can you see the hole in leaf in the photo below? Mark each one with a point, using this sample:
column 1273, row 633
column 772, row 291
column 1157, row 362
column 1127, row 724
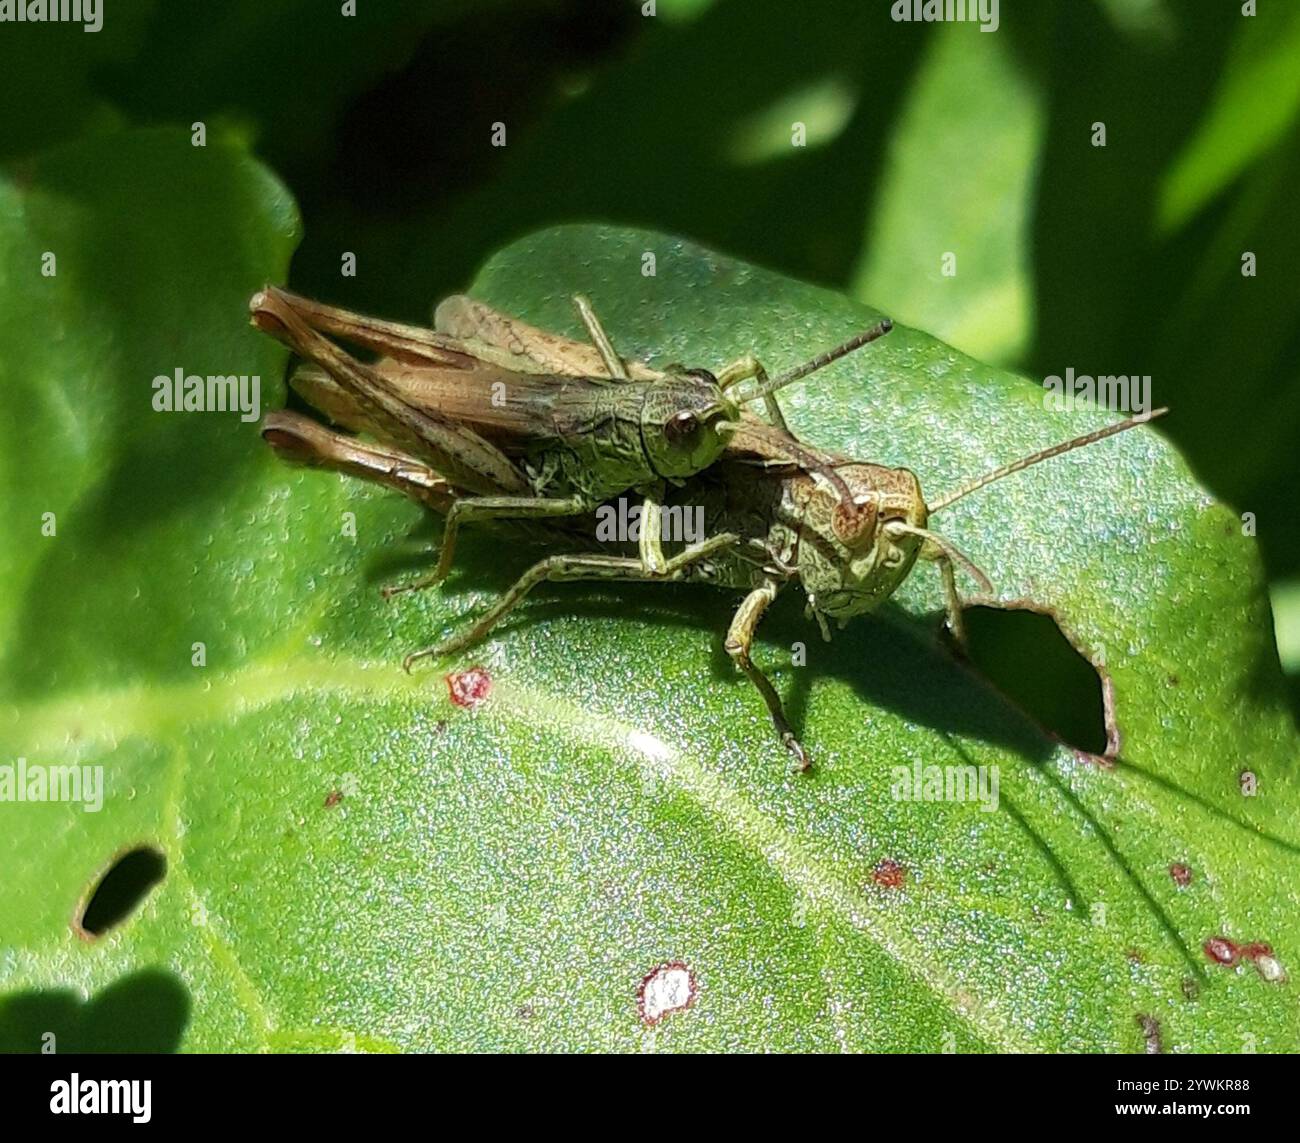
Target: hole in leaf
column 121, row 890
column 1028, row 658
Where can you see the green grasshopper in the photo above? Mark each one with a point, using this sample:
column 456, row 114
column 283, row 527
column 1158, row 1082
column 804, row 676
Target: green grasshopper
column 530, row 425
column 771, row 522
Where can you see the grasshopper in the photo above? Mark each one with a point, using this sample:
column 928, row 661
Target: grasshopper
column 529, row 424
column 771, row 522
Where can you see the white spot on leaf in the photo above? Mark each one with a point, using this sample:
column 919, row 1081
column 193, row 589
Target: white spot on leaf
column 668, row 988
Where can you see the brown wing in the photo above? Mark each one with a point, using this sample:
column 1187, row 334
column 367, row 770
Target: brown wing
column 368, row 401
column 471, row 322
column 513, row 410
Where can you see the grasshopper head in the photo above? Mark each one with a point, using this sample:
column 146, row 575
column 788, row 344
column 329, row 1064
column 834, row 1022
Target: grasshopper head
column 685, row 423
column 851, row 566
column 858, row 542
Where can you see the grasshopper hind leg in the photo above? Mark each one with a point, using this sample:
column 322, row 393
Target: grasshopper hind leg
column 485, row 508
column 569, row 568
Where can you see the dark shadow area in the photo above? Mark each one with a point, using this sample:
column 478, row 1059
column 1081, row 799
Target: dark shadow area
column 1122, row 290
column 144, row 1012
column 893, row 661
column 121, row 890
column 1025, row 655
column 425, row 127
column 643, row 143
column 1108, row 842
column 1238, row 816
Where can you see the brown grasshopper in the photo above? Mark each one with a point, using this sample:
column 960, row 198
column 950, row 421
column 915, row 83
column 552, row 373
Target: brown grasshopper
column 770, row 521
column 526, row 424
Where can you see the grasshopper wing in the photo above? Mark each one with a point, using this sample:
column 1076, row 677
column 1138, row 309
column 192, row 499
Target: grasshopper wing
column 361, row 397
column 532, row 350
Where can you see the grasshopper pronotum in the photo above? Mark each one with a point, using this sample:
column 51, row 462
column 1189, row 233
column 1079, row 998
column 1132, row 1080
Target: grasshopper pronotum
column 773, row 517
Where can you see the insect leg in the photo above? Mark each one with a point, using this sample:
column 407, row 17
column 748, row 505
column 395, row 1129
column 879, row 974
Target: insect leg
column 454, row 450
column 388, row 338
column 562, row 568
column 486, row 508
column 650, row 545
column 301, row 440
column 952, row 599
column 740, row 639
column 744, row 368
column 600, row 339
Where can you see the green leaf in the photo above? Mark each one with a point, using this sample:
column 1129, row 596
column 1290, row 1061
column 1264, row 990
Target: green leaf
column 1256, row 104
column 352, row 861
column 959, row 184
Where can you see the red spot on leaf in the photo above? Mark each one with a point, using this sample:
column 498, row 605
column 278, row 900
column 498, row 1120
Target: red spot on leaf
column 469, row 688
column 333, row 799
column 1254, row 950
column 1181, row 874
column 1258, row 953
column 889, row 874
column 1221, row 949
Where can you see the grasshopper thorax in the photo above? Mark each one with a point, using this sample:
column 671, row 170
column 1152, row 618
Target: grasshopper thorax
column 685, row 422
column 847, row 570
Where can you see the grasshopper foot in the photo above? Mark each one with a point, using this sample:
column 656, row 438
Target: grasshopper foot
column 437, row 651
column 792, row 744
column 391, row 589
column 416, row 656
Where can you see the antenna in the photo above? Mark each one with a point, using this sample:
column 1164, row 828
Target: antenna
column 857, row 341
column 850, row 516
column 1046, row 454
column 949, row 549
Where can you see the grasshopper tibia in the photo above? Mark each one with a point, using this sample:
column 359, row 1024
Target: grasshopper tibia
column 569, row 568
column 740, row 639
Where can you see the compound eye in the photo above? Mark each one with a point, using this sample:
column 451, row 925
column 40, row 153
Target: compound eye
column 681, row 425
column 854, row 526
